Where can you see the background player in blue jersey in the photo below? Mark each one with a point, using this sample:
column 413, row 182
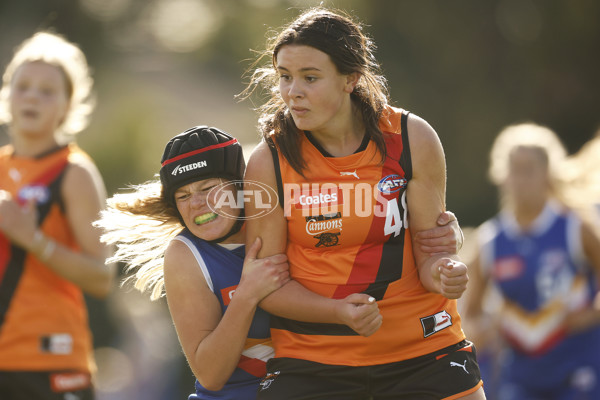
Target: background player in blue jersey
column 225, row 337
column 543, row 260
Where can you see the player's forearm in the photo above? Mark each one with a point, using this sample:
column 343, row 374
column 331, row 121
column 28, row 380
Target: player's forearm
column 217, row 356
column 582, row 320
column 295, row 302
column 87, row 272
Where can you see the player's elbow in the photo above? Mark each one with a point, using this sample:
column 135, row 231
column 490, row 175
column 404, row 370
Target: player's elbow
column 210, row 381
column 212, row 386
column 103, row 284
column 100, row 290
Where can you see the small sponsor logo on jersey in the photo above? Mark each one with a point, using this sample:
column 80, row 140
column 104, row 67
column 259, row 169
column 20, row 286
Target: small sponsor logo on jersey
column 72, row 381
column 323, row 217
column 349, row 173
column 318, row 198
column 324, row 223
column 463, row 365
column 268, row 380
column 14, row 174
column 435, row 323
column 325, row 228
column 39, row 193
column 328, row 239
column 179, row 169
column 58, row 343
column 584, row 379
column 508, row 268
column 391, row 184
column 227, row 294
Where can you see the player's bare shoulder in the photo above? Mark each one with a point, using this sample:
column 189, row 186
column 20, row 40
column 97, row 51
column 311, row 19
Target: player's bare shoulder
column 425, row 146
column 82, row 176
column 421, row 134
column 260, row 165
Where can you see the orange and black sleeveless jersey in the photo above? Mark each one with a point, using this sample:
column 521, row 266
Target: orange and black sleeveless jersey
column 348, row 232
column 43, row 317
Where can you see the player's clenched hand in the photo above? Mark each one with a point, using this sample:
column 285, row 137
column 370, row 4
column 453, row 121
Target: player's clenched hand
column 451, row 276
column 261, row 276
column 361, row 313
column 17, row 222
column 447, row 237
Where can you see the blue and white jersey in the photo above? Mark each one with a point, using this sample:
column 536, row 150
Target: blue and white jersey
column 542, row 276
column 221, row 266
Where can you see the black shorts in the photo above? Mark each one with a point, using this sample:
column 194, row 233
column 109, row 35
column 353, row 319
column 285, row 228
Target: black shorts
column 449, row 373
column 47, row 385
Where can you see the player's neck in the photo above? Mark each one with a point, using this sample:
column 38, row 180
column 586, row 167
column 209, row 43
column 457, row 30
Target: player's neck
column 526, row 214
column 31, row 146
column 343, row 135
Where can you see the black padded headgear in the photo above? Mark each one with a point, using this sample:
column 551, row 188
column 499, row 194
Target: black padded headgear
column 201, row 152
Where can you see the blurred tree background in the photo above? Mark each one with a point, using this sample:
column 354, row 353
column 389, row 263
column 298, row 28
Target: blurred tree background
column 469, row 67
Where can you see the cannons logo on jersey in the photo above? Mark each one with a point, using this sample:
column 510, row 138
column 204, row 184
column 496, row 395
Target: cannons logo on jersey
column 325, row 228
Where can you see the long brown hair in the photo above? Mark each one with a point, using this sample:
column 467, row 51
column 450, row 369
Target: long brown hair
column 350, row 50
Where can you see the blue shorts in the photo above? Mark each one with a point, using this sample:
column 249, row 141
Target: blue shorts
column 569, row 371
column 582, row 382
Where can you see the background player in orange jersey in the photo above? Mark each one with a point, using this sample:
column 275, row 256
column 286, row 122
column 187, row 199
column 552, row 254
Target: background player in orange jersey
column 50, row 193
column 354, row 174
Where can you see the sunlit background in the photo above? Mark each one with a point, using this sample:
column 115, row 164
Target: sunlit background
column 469, row 67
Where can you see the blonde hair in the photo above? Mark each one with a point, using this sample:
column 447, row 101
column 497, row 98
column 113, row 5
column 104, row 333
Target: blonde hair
column 55, row 50
column 141, row 225
column 584, row 174
column 531, row 136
